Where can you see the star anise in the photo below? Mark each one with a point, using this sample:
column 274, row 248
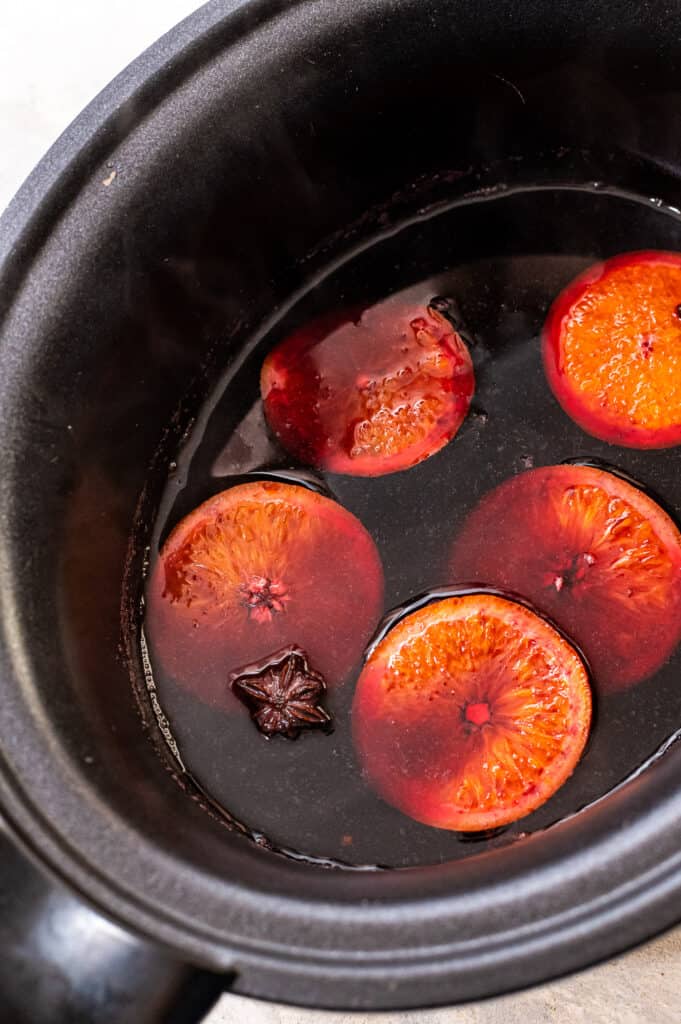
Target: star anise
column 282, row 693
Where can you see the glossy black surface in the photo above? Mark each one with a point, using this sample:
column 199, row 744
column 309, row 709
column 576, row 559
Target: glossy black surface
column 246, row 144
column 61, row 963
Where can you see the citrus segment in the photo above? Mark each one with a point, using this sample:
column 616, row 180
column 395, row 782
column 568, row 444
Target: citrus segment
column 471, row 713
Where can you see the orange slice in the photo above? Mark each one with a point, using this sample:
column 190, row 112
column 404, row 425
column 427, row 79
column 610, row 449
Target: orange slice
column 593, row 552
column 471, row 713
column 612, row 350
column 371, row 393
column 257, row 568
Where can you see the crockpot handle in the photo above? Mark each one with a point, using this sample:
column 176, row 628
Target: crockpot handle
column 64, row 964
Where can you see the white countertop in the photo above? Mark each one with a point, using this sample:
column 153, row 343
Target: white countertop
column 55, row 55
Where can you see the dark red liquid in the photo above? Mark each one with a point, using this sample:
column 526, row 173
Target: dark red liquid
column 308, row 795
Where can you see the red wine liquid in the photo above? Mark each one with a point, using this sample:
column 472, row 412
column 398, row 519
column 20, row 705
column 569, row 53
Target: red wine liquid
column 498, row 261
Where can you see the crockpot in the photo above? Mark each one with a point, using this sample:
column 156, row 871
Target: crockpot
column 192, row 199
